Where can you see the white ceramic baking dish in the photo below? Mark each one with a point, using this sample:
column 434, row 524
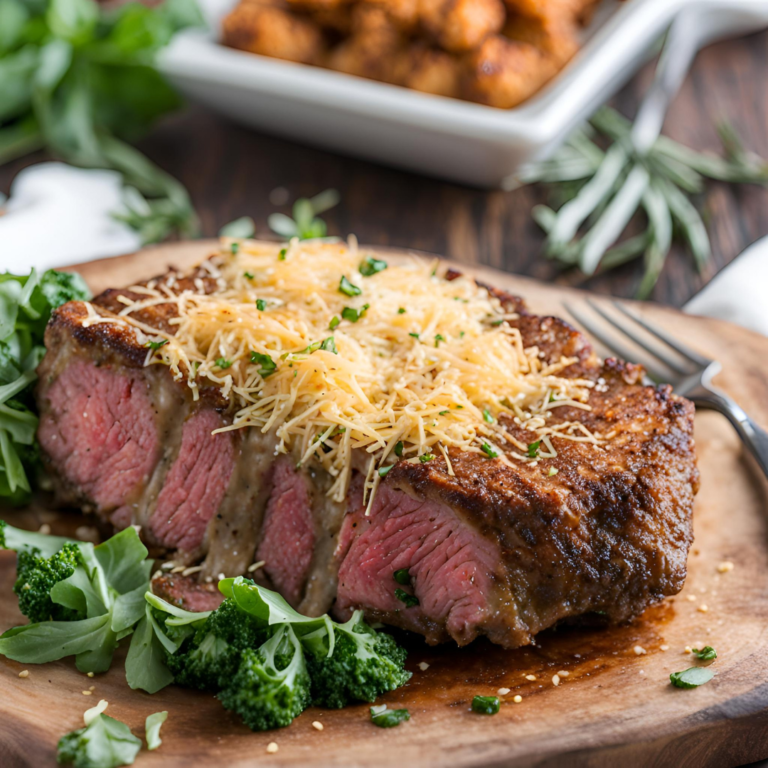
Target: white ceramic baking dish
column 438, row 136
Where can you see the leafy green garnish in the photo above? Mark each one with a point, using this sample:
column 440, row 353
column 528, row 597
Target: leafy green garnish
column 370, row 266
column 281, row 256
column 487, row 416
column 267, row 366
column 152, row 729
column 334, row 324
column 691, row 678
column 352, row 314
column 425, row 457
column 261, row 304
column 401, row 311
column 438, row 338
column 384, row 471
column 79, row 80
column 329, row 345
column 223, row 363
column 489, row 451
column 485, row 705
column 399, row 448
column 389, row 718
column 155, row 345
column 403, row 577
column 707, row 653
column 305, row 225
column 533, row 449
column 408, row 600
column 347, row 288
column 26, row 304
column 104, row 743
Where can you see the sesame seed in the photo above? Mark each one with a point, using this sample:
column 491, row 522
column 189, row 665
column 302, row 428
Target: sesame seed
column 687, row 649
column 692, row 598
column 190, row 571
column 530, row 677
column 423, row 666
column 663, row 647
column 167, row 566
column 178, row 569
column 503, row 691
column 272, row 747
column 563, row 673
column 255, row 566
column 639, row 650
column 90, row 674
column 317, row 725
column 45, row 529
column 24, row 673
column 725, row 566
column 703, row 608
column 555, row 679
column 87, row 693
column 517, row 699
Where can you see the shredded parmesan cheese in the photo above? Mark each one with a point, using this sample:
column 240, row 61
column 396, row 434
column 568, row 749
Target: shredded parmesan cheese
column 338, row 363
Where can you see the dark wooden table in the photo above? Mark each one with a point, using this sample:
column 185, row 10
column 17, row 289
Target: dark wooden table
column 231, row 171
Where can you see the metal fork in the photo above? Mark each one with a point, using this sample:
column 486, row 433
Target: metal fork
column 691, row 373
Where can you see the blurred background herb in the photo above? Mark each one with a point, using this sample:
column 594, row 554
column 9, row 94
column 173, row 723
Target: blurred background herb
column 78, row 80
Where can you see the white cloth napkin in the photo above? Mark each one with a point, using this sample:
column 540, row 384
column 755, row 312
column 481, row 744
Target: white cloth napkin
column 59, row 215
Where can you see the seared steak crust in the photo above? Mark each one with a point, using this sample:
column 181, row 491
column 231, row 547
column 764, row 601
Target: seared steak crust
column 497, row 549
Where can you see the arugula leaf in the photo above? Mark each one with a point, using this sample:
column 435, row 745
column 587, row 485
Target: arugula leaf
column 104, row 743
column 145, row 663
column 691, row 678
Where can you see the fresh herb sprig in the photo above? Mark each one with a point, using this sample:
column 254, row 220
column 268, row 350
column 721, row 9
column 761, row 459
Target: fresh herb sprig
column 78, row 80
column 602, row 190
column 305, row 223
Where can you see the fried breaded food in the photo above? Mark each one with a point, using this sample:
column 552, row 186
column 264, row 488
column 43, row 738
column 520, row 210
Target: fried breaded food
column 270, row 30
column 503, row 72
column 403, row 13
column 461, row 25
column 555, row 36
column 572, row 10
column 429, row 70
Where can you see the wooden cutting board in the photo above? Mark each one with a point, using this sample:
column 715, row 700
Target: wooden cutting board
column 614, row 707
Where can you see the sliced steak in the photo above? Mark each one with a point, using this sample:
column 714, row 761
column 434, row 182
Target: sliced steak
column 187, row 592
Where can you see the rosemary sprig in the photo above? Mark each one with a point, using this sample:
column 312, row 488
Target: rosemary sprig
column 601, row 191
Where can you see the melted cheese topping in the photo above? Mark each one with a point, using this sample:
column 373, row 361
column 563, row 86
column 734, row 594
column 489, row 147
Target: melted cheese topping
column 398, row 363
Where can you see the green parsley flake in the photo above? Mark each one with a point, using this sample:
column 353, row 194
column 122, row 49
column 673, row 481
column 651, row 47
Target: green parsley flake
column 425, row 457
column 335, row 320
column 370, row 266
column 443, row 413
column 261, row 304
column 155, row 345
column 489, row 451
column 408, row 600
column 487, row 417
column 414, row 335
column 707, row 653
column 401, row 311
column 691, row 678
column 552, row 471
column 349, row 289
column 268, row 365
column 399, row 449
column 329, row 345
column 223, row 363
column 389, row 718
column 384, row 471
column 248, row 275
column 485, row 705
column 282, row 254
column 438, row 338
column 352, row 314
column 533, row 449
column 403, row 577
column 234, row 248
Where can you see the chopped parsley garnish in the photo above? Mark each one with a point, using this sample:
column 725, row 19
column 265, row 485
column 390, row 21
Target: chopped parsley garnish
column 403, row 577
column 282, row 254
column 234, row 248
column 707, row 653
column 485, row 705
column 401, row 311
column 425, row 457
column 487, row 417
column 370, row 266
column 408, row 600
column 691, row 678
column 438, row 338
column 389, row 718
column 335, row 320
column 384, row 471
column 352, row 314
column 349, row 289
column 261, row 304
column 552, row 471
column 268, row 365
column 329, row 345
column 399, row 449
column 155, row 345
column 248, row 275
column 223, row 363
column 496, row 323
column 341, row 430
column 533, row 449
column 489, row 451
column 415, row 335
column 443, row 413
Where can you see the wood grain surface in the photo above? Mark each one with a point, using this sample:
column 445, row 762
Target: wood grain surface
column 614, row 706
column 231, row 171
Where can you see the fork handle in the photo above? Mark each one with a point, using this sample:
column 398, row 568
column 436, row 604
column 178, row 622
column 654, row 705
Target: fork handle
column 754, row 437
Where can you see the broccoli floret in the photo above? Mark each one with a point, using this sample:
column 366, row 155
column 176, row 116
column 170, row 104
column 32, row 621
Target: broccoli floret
column 364, row 664
column 271, row 686
column 237, row 627
column 36, row 576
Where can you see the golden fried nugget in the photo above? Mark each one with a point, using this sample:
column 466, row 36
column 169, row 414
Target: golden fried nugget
column 272, row 31
column 429, row 70
column 571, row 10
column 503, row 72
column 461, row 25
column 557, row 37
column 403, row 13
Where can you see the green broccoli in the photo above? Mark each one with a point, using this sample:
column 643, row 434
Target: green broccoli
column 271, row 686
column 36, row 576
column 364, row 664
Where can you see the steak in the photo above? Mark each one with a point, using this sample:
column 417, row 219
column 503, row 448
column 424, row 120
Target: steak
column 502, row 549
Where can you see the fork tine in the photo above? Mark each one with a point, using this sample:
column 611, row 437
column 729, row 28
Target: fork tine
column 616, row 347
column 632, row 335
column 670, row 341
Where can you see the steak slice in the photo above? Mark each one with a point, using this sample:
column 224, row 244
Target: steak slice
column 497, row 548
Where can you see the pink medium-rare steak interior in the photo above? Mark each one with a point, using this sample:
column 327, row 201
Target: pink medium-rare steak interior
column 99, row 432
column 450, row 565
column 288, row 534
column 196, row 483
